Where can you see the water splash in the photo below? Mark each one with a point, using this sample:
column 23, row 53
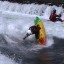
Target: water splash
column 6, row 60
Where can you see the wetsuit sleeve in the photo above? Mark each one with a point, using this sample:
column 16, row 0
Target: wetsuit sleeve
column 58, row 15
column 29, row 28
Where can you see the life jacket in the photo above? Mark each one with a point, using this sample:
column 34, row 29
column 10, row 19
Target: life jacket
column 53, row 16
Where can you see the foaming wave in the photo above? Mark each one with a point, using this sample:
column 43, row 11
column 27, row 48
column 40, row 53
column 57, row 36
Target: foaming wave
column 6, row 60
column 49, row 42
column 22, row 8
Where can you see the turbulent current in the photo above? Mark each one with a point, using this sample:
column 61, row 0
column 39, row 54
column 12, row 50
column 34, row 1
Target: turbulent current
column 15, row 20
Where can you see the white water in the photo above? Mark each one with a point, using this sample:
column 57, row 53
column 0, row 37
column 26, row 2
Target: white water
column 23, row 8
column 13, row 22
column 6, row 60
column 15, row 19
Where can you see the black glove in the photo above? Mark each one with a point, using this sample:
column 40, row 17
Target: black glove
column 26, row 36
column 59, row 15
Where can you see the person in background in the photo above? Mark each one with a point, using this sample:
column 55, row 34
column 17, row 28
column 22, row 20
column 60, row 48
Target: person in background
column 33, row 30
column 54, row 17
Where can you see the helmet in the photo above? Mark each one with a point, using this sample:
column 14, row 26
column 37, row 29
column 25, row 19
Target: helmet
column 29, row 32
column 54, row 11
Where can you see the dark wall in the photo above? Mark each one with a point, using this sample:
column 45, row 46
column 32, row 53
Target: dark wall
column 37, row 1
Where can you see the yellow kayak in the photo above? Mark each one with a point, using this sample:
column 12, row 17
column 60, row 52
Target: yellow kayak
column 42, row 34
